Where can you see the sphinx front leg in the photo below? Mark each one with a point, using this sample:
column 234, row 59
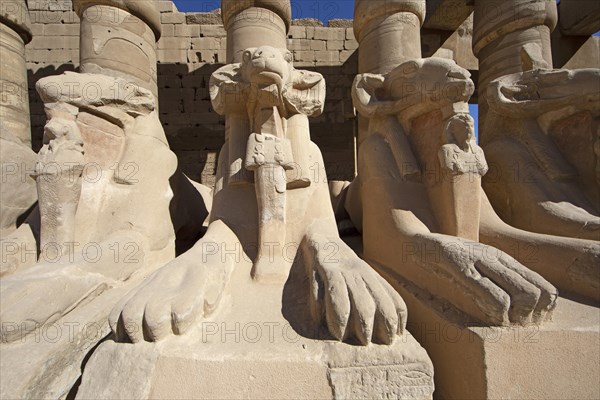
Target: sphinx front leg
column 176, row 296
column 572, row 265
column 66, row 276
column 526, row 198
column 43, row 294
column 481, row 281
column 353, row 300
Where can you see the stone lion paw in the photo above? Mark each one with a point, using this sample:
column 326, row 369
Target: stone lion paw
column 353, row 300
column 168, row 302
column 487, row 283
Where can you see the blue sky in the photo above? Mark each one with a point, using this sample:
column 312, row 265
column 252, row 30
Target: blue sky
column 319, row 9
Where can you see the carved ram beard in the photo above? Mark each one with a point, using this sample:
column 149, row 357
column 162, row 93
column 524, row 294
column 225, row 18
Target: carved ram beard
column 267, row 95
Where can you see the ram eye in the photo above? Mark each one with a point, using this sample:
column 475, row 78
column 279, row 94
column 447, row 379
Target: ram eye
column 288, row 57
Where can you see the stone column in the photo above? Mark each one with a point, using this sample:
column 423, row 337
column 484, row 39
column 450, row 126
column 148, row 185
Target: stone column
column 510, row 36
column 17, row 159
column 249, row 23
column 118, row 39
column 255, row 23
column 14, row 101
column 389, row 33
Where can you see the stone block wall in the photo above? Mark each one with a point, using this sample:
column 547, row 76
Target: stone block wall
column 192, row 47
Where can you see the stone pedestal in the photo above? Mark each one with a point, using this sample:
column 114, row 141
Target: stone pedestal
column 559, row 359
column 118, row 39
column 258, row 346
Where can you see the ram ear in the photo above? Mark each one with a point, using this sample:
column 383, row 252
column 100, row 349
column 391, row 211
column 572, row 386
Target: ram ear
column 306, row 93
column 364, row 95
column 227, row 92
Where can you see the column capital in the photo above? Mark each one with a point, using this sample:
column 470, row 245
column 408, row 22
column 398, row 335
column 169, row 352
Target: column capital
column 230, row 8
column 146, row 10
column 367, row 11
column 497, row 18
column 15, row 14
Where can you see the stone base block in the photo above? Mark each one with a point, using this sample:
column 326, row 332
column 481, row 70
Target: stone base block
column 310, row 371
column 558, row 360
column 258, row 345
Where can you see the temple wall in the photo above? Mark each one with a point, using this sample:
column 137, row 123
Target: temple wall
column 193, row 46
